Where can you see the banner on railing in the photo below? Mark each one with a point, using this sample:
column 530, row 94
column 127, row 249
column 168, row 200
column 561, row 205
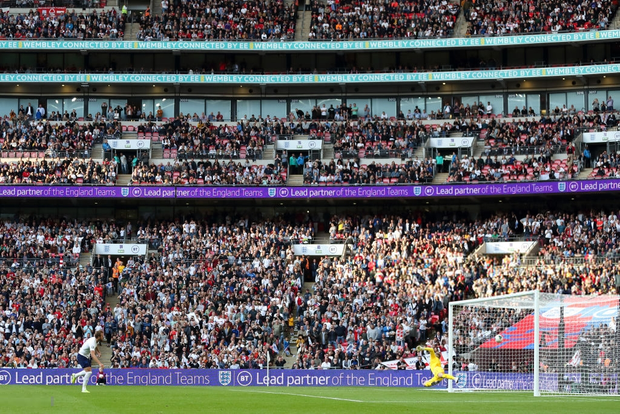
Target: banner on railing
column 319, row 46
column 51, row 12
column 318, row 249
column 508, row 247
column 601, row 137
column 325, row 191
column 130, row 144
column 76, row 191
column 461, row 142
column 120, row 249
column 319, row 79
column 299, row 144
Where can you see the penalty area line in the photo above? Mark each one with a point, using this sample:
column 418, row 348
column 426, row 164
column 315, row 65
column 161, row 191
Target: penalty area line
column 300, row 395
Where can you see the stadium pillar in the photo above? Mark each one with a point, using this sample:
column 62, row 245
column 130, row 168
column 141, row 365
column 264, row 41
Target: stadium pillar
column 85, row 94
column 86, row 61
column 177, row 62
column 177, row 99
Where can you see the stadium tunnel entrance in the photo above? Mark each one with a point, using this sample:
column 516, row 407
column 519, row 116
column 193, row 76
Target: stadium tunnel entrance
column 299, row 160
column 598, row 149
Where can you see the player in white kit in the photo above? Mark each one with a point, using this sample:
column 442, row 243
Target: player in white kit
column 88, row 352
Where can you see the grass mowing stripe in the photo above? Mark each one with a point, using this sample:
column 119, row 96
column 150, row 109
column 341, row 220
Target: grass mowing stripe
column 299, row 395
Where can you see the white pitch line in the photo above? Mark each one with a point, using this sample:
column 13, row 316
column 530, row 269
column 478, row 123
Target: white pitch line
column 485, row 401
column 537, row 400
column 301, row 395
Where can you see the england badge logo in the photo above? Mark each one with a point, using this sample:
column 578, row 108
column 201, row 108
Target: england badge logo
column 225, row 377
column 417, row 191
column 561, row 187
column 124, row 191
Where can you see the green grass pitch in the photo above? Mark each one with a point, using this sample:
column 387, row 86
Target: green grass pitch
column 297, row 400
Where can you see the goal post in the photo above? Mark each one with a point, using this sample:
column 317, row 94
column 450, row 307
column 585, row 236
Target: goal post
column 536, row 342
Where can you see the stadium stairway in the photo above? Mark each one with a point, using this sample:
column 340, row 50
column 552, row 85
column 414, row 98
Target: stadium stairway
column 106, row 351
column 131, row 30
column 157, row 152
column 615, row 22
column 584, row 174
column 85, row 259
column 123, row 179
column 302, row 27
column 328, row 151
column 460, row 27
column 441, row 178
column 156, row 8
column 96, row 153
column 292, row 336
column 295, row 179
column 269, row 153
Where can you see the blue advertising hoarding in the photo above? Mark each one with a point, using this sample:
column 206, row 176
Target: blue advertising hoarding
column 312, row 192
column 474, row 380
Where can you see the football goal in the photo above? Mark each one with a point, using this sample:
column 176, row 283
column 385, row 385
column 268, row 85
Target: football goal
column 532, row 341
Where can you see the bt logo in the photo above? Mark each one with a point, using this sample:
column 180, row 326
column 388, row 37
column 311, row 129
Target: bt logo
column 244, row 378
column 5, row 377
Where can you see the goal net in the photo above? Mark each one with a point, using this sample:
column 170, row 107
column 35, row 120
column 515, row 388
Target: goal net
column 531, row 341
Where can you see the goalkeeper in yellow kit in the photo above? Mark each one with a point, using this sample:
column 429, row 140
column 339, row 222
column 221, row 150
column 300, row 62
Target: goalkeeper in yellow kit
column 436, row 368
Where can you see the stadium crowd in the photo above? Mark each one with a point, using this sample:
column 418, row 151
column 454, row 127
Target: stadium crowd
column 20, row 135
column 492, row 18
column 58, row 171
column 208, row 173
column 31, row 242
column 353, row 173
column 79, row 25
column 222, row 293
column 331, row 20
column 205, row 140
column 373, row 19
column 535, row 167
column 220, row 20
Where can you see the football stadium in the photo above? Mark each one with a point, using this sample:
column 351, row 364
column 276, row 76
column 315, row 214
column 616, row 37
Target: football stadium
column 312, row 205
